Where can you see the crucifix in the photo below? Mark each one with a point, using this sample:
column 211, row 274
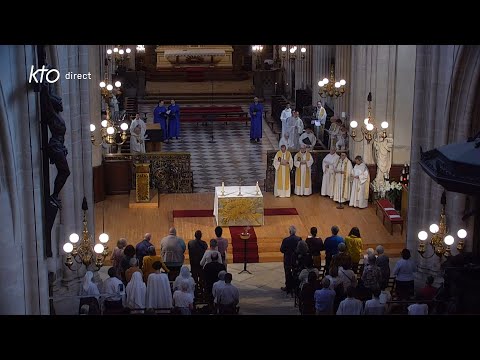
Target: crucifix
column 240, row 183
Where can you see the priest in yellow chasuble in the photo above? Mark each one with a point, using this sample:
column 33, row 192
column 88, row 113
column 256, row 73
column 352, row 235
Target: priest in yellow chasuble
column 282, row 163
column 303, row 161
column 343, row 170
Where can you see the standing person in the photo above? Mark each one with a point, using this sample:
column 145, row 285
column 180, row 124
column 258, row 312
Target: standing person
column 315, row 247
column 138, row 129
column 173, row 250
column 196, row 249
column 286, row 113
column 142, row 247
column 136, row 292
column 228, row 297
column 183, row 300
column 331, row 246
column 341, row 188
column 294, row 126
column 173, row 120
column 328, row 167
column 403, row 272
column 320, row 117
column 288, row 247
column 283, row 164
column 256, row 117
column 303, row 174
column 324, row 298
column 360, row 184
column 207, row 256
column 160, row 117
column 112, row 288
column 91, row 294
column 383, row 262
column 149, row 260
column 354, row 246
column 159, row 294
column 186, row 277
column 211, row 270
column 117, row 256
column 351, row 305
column 222, row 245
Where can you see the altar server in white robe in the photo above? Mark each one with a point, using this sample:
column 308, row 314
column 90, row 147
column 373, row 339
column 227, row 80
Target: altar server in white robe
column 342, row 186
column 138, row 128
column 328, row 166
column 303, row 174
column 159, row 293
column 283, row 164
column 360, row 184
column 286, row 113
column 283, row 141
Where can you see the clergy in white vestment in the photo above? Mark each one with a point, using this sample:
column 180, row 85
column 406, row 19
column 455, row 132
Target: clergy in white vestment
column 283, row 164
column 136, row 292
column 138, row 129
column 283, row 141
column 320, row 119
column 328, row 167
column 286, row 113
column 360, row 184
column 343, row 170
column 308, row 138
column 303, row 174
column 159, row 293
column 294, row 127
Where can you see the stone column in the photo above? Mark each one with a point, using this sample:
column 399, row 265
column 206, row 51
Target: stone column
column 24, row 280
column 447, row 80
column 373, row 70
column 343, row 58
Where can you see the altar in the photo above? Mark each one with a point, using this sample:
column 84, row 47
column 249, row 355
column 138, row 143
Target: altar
column 188, row 56
column 232, row 209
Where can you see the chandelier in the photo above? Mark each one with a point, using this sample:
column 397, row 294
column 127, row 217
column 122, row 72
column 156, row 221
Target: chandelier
column 293, row 52
column 118, row 53
column 440, row 240
column 140, row 48
column 110, row 128
column 369, row 130
column 330, row 87
column 84, row 251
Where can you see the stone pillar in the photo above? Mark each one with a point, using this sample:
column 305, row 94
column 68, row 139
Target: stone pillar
column 321, row 58
column 373, row 69
column 447, row 80
column 343, row 58
column 24, row 279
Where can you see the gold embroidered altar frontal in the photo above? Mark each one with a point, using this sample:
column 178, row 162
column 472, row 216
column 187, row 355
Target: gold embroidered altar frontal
column 232, row 209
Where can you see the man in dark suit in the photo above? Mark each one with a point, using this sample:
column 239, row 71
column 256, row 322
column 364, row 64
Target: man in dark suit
column 289, row 244
column 196, row 249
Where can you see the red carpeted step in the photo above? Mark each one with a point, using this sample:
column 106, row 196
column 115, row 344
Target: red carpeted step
column 238, row 245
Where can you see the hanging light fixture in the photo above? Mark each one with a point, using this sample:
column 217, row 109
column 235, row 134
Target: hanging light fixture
column 331, row 87
column 84, row 251
column 369, row 130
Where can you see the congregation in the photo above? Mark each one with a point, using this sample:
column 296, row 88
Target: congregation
column 177, row 289
column 349, row 283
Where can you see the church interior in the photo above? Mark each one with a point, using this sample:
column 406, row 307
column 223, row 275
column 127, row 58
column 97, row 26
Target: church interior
column 155, row 148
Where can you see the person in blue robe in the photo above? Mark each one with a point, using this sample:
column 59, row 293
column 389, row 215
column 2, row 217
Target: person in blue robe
column 160, row 117
column 256, row 116
column 174, row 120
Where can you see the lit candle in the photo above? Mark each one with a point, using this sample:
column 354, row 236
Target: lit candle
column 258, row 188
column 223, row 186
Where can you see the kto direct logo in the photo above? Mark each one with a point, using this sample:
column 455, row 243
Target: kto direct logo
column 51, row 75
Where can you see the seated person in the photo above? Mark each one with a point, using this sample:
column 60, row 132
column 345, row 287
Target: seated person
column 228, row 297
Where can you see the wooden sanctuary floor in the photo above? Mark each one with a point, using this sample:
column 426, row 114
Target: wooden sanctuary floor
column 118, row 220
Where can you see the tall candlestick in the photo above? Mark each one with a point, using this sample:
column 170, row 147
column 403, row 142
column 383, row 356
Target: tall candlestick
column 223, row 188
column 258, row 188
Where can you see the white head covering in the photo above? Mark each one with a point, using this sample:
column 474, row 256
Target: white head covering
column 159, row 294
column 87, row 280
column 184, row 276
column 135, row 291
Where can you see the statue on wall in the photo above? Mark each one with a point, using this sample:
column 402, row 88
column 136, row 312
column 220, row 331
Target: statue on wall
column 57, row 152
column 383, row 158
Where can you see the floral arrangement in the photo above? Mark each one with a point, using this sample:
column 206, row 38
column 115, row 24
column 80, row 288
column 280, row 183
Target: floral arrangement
column 390, row 190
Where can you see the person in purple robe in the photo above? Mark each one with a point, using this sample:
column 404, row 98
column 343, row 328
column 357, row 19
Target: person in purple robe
column 174, row 120
column 160, row 117
column 256, row 115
